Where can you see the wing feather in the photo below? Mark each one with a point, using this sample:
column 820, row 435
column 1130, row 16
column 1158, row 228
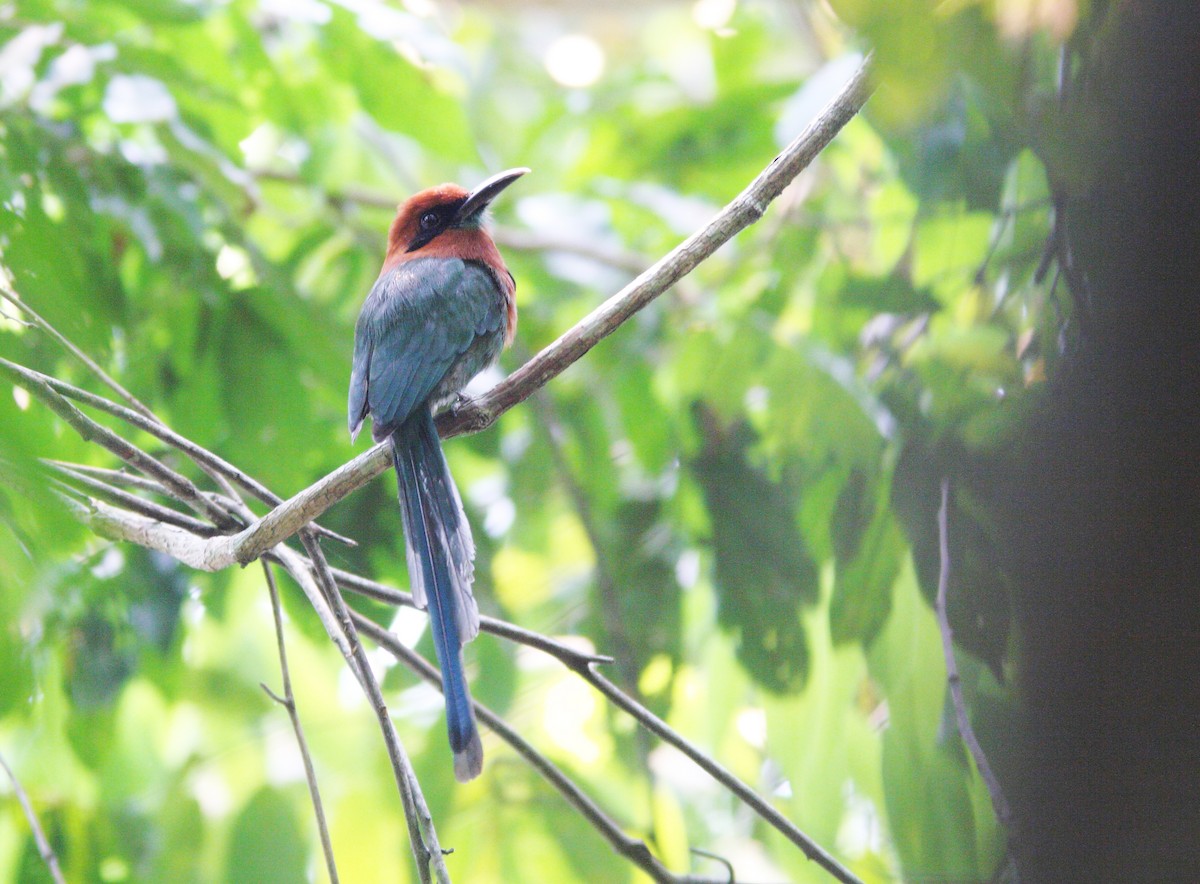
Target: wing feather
column 420, row 318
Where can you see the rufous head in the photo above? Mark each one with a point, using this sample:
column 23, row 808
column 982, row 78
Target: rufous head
column 425, row 216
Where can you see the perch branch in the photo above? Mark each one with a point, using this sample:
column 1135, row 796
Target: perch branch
column 481, row 412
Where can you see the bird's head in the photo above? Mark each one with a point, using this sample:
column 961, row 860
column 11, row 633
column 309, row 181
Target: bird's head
column 425, row 216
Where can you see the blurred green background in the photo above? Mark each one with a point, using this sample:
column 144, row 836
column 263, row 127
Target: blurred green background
column 735, row 494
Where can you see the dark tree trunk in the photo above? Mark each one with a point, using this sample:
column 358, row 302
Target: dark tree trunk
column 1101, row 514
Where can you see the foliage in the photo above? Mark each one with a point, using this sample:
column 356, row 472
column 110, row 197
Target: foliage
column 735, row 494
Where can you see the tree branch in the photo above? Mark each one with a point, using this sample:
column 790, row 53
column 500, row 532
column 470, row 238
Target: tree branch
column 584, row 665
column 632, row 849
column 718, row 772
column 9, row 294
column 482, row 411
column 422, row 834
column 47, row 852
column 199, row 455
column 288, row 702
column 999, row 803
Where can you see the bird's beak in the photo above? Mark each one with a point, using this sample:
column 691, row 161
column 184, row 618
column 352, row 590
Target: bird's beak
column 479, row 198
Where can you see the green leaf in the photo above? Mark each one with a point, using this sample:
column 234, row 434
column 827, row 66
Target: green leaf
column 869, row 549
column 266, row 845
column 763, row 573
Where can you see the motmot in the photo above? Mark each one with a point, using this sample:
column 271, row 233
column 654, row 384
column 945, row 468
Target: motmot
column 440, row 312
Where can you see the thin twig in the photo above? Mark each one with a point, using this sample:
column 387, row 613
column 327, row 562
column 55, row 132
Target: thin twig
column 132, row 502
column 180, row 486
column 39, row 836
column 718, row 772
column 422, row 834
column 288, row 702
column 500, row 628
column 633, row 849
column 199, row 455
column 7, row 292
column 999, row 803
column 584, row 665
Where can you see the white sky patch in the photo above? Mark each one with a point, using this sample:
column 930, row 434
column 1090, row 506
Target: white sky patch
column 408, row 625
column 306, row 11
column 500, row 517
column 283, row 761
column 73, row 68
column 21, row 397
column 574, row 60
column 110, row 564
column 713, row 15
column 565, row 719
column 861, row 830
column 137, row 98
column 687, row 568
column 20, row 55
column 211, row 792
column 751, row 725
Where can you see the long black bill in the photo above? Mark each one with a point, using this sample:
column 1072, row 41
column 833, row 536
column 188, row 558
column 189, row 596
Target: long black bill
column 481, row 196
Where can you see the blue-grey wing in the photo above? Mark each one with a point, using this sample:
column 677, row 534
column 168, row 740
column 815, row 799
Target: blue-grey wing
column 418, row 321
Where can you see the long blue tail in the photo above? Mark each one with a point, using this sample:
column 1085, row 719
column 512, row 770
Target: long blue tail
column 440, row 566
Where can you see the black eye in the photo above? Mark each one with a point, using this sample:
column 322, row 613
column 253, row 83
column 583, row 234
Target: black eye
column 429, row 221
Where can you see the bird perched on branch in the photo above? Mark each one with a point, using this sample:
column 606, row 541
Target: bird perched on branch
column 441, row 311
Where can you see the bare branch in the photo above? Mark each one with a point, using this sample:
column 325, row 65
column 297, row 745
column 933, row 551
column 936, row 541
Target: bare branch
column 180, row 486
column 288, row 702
column 132, row 502
column 584, row 665
column 999, row 803
column 569, row 655
column 199, row 455
column 482, row 411
column 296, row 512
column 632, row 849
column 9, row 294
column 39, row 836
column 718, row 772
column 422, row 834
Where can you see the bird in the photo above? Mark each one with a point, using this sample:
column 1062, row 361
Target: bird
column 441, row 311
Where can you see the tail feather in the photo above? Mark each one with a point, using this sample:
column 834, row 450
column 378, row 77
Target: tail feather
column 440, row 555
